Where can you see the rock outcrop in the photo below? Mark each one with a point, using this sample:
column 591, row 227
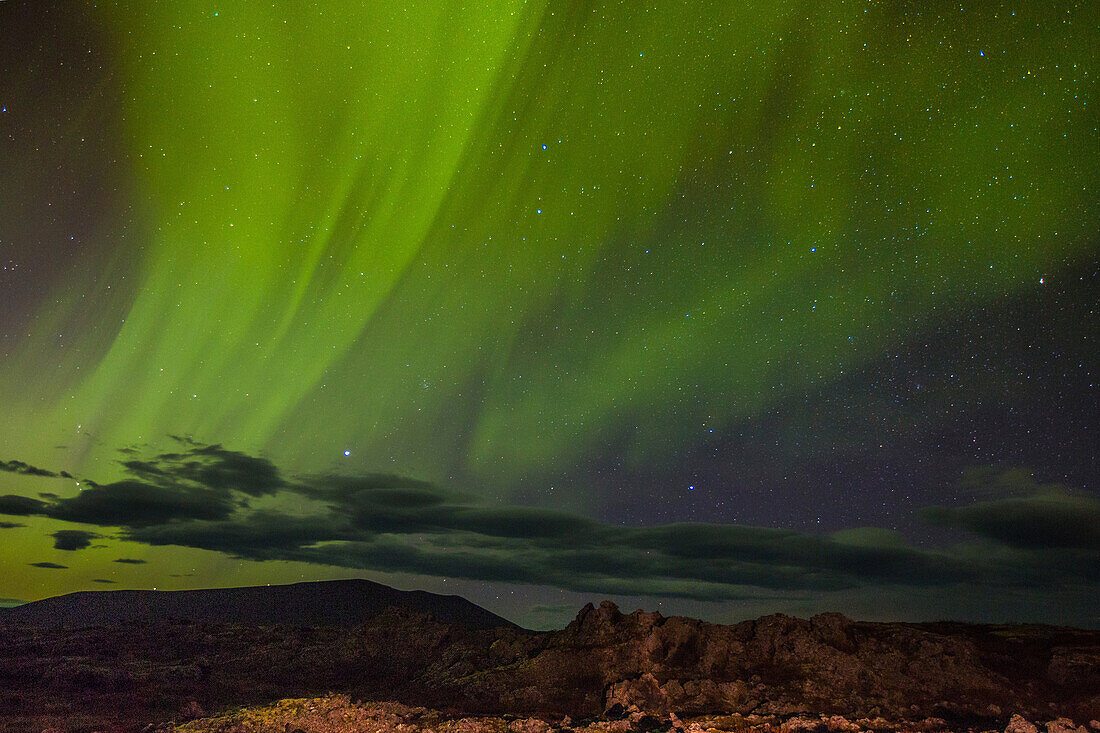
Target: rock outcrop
column 778, row 665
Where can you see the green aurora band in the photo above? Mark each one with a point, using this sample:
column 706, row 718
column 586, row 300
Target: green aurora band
column 470, row 242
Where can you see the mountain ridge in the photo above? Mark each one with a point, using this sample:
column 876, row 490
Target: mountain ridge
column 311, row 603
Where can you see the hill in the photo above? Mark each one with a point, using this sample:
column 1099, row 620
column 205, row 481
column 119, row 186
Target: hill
column 323, row 603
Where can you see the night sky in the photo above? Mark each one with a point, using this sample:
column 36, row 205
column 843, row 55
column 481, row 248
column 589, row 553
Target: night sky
column 714, row 308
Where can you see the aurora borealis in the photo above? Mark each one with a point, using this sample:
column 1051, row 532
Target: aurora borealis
column 731, row 306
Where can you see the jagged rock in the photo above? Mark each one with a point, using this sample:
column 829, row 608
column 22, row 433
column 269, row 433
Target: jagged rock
column 643, row 693
column 840, row 724
column 800, row 724
column 1061, row 725
column 1020, row 724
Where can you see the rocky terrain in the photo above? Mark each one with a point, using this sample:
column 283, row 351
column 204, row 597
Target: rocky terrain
column 779, row 665
column 337, row 714
column 606, row 671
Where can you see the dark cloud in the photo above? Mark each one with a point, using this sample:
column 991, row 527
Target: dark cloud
column 138, row 504
column 200, row 497
column 48, row 565
column 260, row 536
column 21, row 506
column 1049, row 518
column 697, row 560
column 380, row 489
column 524, row 522
column 129, row 561
column 146, row 469
column 384, row 504
column 202, row 482
column 210, row 466
column 199, row 482
column 28, row 470
column 774, row 550
column 340, row 485
column 72, row 539
column 102, row 580
column 219, row 468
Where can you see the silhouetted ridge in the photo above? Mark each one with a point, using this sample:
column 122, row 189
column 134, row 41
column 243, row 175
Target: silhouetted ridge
column 323, row 603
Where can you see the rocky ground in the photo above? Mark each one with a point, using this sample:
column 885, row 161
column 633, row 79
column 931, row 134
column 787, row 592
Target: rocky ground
column 608, row 671
column 338, row 714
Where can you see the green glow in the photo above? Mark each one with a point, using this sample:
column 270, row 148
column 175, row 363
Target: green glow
column 476, row 241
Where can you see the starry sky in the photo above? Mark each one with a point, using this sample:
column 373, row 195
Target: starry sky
column 714, row 308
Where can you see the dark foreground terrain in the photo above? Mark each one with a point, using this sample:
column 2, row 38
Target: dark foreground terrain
column 337, row 714
column 607, row 671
